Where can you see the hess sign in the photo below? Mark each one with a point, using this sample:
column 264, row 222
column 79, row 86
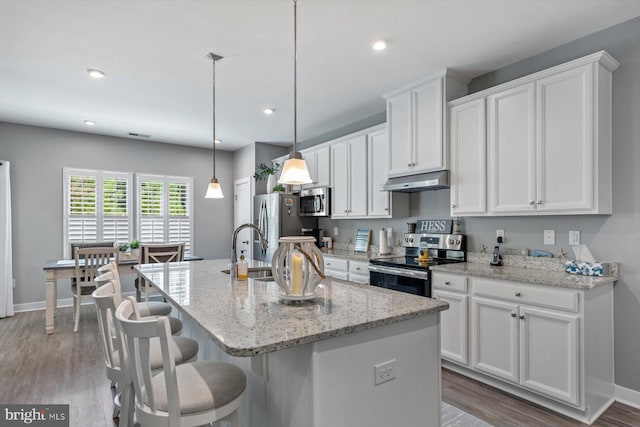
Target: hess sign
column 434, row 226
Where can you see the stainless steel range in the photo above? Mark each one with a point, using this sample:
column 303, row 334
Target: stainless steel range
column 411, row 274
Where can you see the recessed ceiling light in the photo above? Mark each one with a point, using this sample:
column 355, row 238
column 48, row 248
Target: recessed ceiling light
column 96, row 74
column 379, row 45
column 89, row 123
column 218, row 141
column 269, row 111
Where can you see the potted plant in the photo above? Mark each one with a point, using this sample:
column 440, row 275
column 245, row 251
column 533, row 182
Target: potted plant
column 135, row 248
column 268, row 173
column 279, row 188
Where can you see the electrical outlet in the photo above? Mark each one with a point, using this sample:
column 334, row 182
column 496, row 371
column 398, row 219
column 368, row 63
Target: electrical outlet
column 385, row 371
column 549, row 237
column 574, row 237
column 500, row 233
column 335, row 231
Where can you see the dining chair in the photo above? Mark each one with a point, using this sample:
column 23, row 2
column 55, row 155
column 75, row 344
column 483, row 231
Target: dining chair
column 110, row 273
column 190, row 394
column 151, row 253
column 87, row 262
column 184, row 350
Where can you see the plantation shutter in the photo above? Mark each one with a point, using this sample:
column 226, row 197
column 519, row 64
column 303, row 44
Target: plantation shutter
column 96, row 207
column 165, row 207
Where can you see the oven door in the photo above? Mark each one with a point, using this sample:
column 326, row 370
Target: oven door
column 415, row 282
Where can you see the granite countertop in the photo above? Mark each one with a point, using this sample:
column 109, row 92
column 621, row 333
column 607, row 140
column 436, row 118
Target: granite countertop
column 537, row 276
column 355, row 256
column 246, row 318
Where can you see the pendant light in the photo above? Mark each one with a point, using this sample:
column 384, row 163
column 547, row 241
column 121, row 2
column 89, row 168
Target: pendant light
column 214, row 191
column 295, row 169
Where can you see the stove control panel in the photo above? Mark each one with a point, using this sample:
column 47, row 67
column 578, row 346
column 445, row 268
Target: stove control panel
column 451, row 242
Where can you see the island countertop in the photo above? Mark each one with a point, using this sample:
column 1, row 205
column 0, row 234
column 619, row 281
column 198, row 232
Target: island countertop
column 246, row 318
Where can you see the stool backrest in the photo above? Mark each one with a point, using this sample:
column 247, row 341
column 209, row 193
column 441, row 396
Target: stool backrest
column 105, row 300
column 160, row 252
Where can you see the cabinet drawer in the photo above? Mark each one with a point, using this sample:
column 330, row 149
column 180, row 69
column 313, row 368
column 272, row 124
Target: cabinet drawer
column 562, row 299
column 336, row 264
column 359, row 268
column 359, row 278
column 342, row 275
column 450, row 282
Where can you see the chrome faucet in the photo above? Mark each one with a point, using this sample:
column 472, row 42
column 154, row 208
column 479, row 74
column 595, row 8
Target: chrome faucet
column 234, row 238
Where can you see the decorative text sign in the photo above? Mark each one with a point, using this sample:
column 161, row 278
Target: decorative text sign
column 443, row 226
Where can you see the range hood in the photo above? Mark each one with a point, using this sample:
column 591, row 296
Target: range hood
column 421, row 182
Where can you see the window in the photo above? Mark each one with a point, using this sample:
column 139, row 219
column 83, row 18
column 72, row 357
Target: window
column 165, row 211
column 97, row 207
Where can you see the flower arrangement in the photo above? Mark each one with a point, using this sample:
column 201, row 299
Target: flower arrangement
column 264, row 171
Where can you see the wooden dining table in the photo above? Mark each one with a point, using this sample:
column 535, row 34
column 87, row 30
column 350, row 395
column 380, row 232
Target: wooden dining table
column 65, row 269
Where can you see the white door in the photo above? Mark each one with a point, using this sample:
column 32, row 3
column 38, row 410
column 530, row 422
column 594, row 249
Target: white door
column 512, row 150
column 358, row 176
column 340, row 180
column 468, row 159
column 400, row 131
column 453, row 326
column 549, row 361
column 427, row 127
column 494, row 338
column 242, row 213
column 379, row 205
column 565, row 140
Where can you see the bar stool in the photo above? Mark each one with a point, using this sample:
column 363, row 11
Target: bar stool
column 191, row 394
column 184, row 350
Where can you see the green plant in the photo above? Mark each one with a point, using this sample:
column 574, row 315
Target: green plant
column 123, row 247
column 135, row 244
column 264, row 171
column 278, row 187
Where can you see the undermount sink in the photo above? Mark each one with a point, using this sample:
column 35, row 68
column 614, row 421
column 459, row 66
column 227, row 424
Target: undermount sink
column 257, row 272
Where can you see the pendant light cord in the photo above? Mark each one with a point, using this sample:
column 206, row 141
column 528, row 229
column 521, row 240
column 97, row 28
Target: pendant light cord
column 295, row 76
column 213, row 59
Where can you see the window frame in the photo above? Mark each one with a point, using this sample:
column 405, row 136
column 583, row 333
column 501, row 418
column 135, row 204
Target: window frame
column 100, row 176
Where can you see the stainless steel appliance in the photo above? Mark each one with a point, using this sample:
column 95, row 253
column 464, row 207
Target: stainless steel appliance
column 317, row 233
column 408, row 274
column 315, row 202
column 277, row 215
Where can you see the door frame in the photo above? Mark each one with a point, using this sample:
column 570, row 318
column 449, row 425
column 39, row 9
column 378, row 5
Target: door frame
column 236, row 183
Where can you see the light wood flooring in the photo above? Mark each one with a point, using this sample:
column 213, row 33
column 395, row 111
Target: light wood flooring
column 68, row 368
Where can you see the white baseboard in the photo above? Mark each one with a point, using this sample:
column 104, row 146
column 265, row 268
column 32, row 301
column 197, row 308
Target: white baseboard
column 66, row 302
column 628, row 396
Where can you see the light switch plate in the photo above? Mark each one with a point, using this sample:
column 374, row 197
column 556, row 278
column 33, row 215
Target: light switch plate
column 549, row 237
column 574, row 237
column 335, row 231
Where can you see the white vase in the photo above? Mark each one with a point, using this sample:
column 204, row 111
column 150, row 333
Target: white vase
column 271, row 182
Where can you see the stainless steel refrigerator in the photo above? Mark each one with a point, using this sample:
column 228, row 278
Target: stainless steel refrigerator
column 277, row 215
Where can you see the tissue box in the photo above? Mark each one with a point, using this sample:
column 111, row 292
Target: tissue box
column 584, row 268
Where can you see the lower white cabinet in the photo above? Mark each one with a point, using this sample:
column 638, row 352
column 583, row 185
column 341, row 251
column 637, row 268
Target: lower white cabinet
column 547, row 344
column 344, row 269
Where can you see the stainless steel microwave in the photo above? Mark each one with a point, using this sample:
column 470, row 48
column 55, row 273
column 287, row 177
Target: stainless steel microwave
column 315, row 202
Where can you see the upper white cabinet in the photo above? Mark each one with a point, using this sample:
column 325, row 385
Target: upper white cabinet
column 548, row 143
column 379, row 201
column 319, row 165
column 349, row 177
column 416, row 115
column 468, row 159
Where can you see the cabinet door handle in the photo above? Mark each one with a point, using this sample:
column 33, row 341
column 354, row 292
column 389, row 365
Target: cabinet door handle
column 531, row 202
column 409, row 164
column 517, row 294
column 447, row 283
column 453, row 206
column 521, row 317
column 358, row 268
column 513, row 315
column 328, row 263
column 539, row 202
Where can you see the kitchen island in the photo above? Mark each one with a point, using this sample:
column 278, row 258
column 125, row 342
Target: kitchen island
column 313, row 364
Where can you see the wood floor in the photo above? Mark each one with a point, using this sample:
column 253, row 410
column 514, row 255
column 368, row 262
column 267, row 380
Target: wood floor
column 68, row 368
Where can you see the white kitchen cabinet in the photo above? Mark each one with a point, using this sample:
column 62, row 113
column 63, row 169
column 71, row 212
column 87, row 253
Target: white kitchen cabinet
column 511, row 120
column 319, row 165
column 379, row 201
column 359, row 272
column 349, row 177
column 548, row 141
column 336, row 267
column 468, row 159
column 452, row 289
column 415, row 119
column 527, row 335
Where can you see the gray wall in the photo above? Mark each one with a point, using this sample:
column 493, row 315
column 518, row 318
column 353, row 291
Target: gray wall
column 615, row 237
column 264, row 154
column 37, row 156
column 244, row 161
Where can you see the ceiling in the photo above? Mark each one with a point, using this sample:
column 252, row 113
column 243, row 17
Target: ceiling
column 158, row 79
